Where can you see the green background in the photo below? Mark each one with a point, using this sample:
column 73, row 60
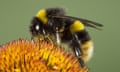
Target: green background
column 15, row 16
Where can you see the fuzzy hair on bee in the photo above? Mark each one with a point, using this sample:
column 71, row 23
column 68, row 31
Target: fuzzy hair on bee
column 52, row 24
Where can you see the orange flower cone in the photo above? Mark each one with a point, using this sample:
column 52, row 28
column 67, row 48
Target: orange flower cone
column 30, row 56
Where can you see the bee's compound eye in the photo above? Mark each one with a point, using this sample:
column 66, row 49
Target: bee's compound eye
column 37, row 27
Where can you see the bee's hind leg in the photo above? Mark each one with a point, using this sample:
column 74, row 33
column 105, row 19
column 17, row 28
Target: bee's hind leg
column 77, row 50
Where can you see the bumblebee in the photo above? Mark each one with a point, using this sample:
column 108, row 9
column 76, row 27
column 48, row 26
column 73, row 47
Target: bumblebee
column 54, row 25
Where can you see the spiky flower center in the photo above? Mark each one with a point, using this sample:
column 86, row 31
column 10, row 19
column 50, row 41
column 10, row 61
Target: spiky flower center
column 29, row 56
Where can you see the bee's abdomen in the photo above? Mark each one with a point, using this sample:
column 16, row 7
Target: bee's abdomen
column 85, row 45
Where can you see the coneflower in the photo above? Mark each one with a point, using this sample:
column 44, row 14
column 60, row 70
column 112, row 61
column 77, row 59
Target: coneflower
column 41, row 56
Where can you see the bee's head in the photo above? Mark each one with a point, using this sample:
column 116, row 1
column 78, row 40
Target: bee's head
column 38, row 22
column 37, row 27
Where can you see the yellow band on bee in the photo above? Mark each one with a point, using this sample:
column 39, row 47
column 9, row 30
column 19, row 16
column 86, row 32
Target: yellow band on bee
column 76, row 26
column 42, row 16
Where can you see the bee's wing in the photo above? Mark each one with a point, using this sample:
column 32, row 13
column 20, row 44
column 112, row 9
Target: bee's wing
column 84, row 21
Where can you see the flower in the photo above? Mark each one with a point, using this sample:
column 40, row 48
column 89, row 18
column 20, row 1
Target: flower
column 41, row 56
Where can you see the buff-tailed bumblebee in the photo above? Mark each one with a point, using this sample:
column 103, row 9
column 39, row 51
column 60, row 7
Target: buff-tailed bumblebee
column 53, row 25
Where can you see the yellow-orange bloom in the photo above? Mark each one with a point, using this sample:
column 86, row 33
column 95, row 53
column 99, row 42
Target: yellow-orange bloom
column 30, row 56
